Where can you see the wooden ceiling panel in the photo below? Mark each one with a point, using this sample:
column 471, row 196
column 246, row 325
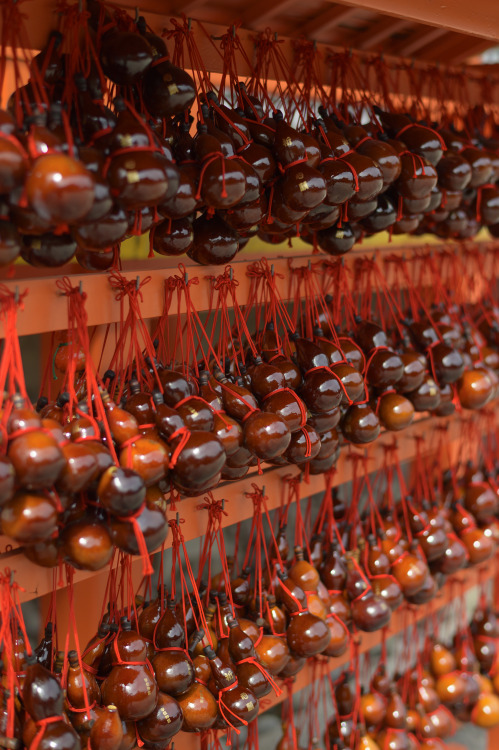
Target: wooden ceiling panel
column 463, row 52
column 263, row 12
column 441, row 50
column 376, row 34
column 420, row 37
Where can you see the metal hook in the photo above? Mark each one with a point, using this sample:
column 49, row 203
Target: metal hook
column 275, row 36
column 177, row 518
column 309, row 264
column 80, row 287
column 186, row 277
column 137, row 283
column 137, row 14
column 272, row 270
column 189, row 24
column 223, row 503
column 263, row 491
column 231, row 273
column 16, row 294
column 233, row 31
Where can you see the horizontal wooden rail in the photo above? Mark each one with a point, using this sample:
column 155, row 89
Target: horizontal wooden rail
column 45, row 308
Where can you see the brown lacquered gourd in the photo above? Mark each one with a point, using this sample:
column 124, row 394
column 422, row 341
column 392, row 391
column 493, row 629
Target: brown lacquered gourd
column 215, row 242
column 395, row 411
column 303, row 573
column 240, row 701
column 370, row 612
column 339, row 636
column 80, row 469
column 388, row 589
column 360, row 424
column 480, row 500
column 372, row 708
column 333, row 571
column 125, row 56
column 60, row 189
column 35, row 455
column 321, row 390
column 163, row 723
column 86, row 543
column 95, row 647
column 130, row 687
column 232, row 397
column 273, row 653
column 107, row 730
column 442, row 660
column 80, row 682
column 395, row 711
column 199, row 461
column 474, row 388
column 199, row 708
column 451, row 688
column 486, row 711
column 121, row 491
column 478, row 545
column 167, row 89
column 266, row 435
column 42, row 693
column 426, row 397
column 29, row 518
column 152, row 524
column 410, row 572
column 384, row 368
column 146, row 457
column 288, row 406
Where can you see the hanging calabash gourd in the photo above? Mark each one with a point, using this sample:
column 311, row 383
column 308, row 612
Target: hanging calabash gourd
column 135, row 169
column 215, row 242
column 418, row 138
column 85, row 542
column 167, row 89
column 43, row 699
column 242, row 653
column 307, row 635
column 107, row 729
column 235, row 702
column 369, row 611
column 172, row 666
column 59, row 188
column 485, row 712
column 163, row 723
column 373, row 709
column 124, row 55
column 131, row 687
column 35, row 455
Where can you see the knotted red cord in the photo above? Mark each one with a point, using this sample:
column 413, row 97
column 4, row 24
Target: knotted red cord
column 42, row 724
column 79, row 340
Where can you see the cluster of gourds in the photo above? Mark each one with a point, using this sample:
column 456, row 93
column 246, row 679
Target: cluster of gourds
column 78, row 176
